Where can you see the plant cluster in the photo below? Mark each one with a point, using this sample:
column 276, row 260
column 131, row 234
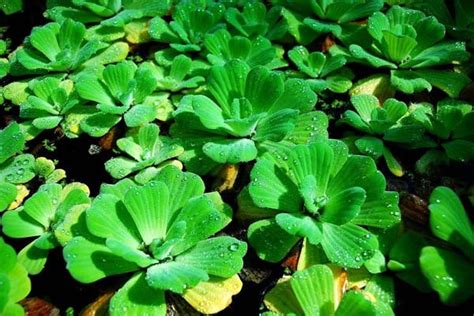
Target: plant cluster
column 235, row 132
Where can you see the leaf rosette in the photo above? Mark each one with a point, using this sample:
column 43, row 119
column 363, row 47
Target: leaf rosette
column 321, row 193
column 162, row 232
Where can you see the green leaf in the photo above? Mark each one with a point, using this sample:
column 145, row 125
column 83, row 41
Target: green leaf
column 108, row 218
column 271, row 188
column 370, row 146
column 270, row 241
column 140, row 115
column 343, row 206
column 314, row 289
column 98, row 124
column 300, row 226
column 130, row 299
column 7, row 194
column 33, row 258
column 18, row 224
column 282, row 299
column 315, row 160
column 355, row 303
column 207, row 212
column 452, row 83
column 227, row 83
column 12, row 141
column 404, row 260
column 231, row 151
column 459, row 150
column 148, row 206
column 89, row 261
column 219, row 256
column 11, row 6
column 408, row 81
column 174, row 276
column 449, row 221
column 449, row 274
column 381, row 212
column 365, row 104
column 259, row 81
column 40, row 208
column 348, row 245
column 182, row 186
column 275, row 126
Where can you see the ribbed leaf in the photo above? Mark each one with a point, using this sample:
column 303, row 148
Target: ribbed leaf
column 130, row 299
column 231, row 151
column 174, row 276
column 270, row 242
column 448, row 273
column 148, row 206
column 313, row 288
column 271, row 188
column 108, row 218
column 348, row 245
column 301, row 226
column 355, row 303
column 88, row 261
column 7, row 194
column 449, row 221
column 219, row 256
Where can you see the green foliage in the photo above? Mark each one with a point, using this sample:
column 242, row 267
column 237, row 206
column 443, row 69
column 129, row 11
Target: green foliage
column 191, row 21
column 49, row 215
column 446, row 270
column 242, row 116
column 312, row 292
column 410, row 44
column 11, row 6
column 254, row 19
column 222, row 47
column 147, row 153
column 162, row 232
column 450, row 126
column 330, row 17
column 178, row 76
column 326, row 72
column 57, row 47
column 14, row 280
column 381, row 124
column 111, row 13
column 52, row 100
column 117, row 90
column 321, row 193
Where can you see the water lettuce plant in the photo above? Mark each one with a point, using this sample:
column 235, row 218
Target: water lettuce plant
column 325, row 72
column 254, row 19
column 177, row 77
column 445, row 268
column 314, row 291
column 381, row 124
column 241, row 116
column 399, row 40
column 14, row 281
column 15, row 169
column 51, row 101
column 48, row 215
column 61, row 47
column 321, row 193
column 191, row 21
column 147, row 153
column 117, row 90
column 115, row 13
column 308, row 20
column 162, row 232
column 450, row 126
column 222, row 47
